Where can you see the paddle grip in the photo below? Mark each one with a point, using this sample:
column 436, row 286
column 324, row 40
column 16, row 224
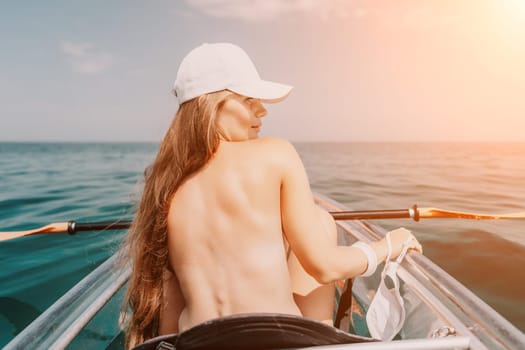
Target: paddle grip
column 371, row 214
column 73, row 227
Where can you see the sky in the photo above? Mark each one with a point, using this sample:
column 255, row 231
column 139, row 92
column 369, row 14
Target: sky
column 362, row 71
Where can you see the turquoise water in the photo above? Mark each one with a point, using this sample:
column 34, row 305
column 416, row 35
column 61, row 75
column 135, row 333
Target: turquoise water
column 53, row 182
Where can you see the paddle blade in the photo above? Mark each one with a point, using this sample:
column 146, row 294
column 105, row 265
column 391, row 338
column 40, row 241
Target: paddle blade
column 57, row 227
column 435, row 213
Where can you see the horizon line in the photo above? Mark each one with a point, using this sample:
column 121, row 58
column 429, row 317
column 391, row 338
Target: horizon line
column 292, row 141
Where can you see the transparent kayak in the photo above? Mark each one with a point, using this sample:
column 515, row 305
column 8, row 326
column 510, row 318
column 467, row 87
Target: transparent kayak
column 441, row 313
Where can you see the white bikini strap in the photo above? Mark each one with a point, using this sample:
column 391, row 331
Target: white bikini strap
column 404, row 250
column 390, row 268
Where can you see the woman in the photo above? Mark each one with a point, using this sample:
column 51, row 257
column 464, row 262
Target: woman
column 221, row 206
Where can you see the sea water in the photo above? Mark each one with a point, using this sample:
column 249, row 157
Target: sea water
column 42, row 183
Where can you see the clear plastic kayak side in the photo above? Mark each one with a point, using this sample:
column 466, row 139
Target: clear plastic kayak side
column 58, row 326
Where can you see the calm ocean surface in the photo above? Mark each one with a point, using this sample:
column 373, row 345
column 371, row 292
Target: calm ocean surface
column 42, row 183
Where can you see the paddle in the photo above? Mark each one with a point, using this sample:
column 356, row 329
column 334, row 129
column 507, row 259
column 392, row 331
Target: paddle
column 71, row 227
column 414, row 213
column 420, row 213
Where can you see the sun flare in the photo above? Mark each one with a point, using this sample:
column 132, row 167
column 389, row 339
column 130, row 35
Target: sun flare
column 515, row 7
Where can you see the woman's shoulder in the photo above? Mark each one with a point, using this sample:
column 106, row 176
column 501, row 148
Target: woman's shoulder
column 274, row 144
column 272, row 151
column 275, row 148
column 276, row 152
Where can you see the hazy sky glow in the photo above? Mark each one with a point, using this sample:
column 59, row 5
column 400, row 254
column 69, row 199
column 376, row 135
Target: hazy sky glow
column 382, row 70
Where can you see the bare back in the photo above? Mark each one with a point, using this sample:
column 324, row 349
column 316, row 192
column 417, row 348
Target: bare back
column 225, row 238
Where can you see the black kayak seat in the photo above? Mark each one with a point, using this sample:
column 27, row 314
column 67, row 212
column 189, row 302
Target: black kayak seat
column 254, row 331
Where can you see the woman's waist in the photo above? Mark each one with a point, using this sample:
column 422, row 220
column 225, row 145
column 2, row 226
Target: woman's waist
column 239, row 296
column 193, row 315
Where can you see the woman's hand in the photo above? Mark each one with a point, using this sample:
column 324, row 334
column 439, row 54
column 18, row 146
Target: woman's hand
column 401, row 235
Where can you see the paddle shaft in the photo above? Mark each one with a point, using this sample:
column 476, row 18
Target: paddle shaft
column 412, row 213
column 74, row 227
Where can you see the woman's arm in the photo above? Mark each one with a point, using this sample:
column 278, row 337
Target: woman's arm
column 303, row 226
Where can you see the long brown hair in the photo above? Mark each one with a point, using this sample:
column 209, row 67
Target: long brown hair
column 188, row 145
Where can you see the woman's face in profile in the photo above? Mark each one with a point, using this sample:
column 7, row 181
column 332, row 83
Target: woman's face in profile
column 239, row 118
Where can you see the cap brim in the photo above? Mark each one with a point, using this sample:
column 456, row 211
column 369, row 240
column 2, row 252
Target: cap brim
column 266, row 91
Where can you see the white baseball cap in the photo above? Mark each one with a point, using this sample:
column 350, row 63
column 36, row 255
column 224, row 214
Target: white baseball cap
column 223, row 66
